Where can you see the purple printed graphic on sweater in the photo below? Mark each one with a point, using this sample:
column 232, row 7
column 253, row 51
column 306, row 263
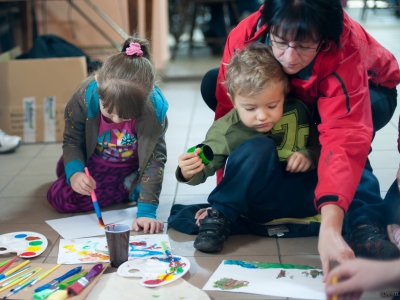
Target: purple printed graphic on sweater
column 117, row 144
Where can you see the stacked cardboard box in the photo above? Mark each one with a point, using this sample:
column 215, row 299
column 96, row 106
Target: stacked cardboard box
column 34, row 92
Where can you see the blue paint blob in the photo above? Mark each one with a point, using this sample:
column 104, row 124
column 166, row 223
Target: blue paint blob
column 20, row 236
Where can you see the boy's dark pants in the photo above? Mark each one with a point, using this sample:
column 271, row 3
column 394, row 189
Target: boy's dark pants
column 256, row 185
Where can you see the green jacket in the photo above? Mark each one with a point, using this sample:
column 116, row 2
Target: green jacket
column 293, row 133
column 82, row 121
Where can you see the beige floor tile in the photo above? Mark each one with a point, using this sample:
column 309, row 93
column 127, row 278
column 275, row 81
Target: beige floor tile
column 50, row 150
column 12, row 165
column 28, row 186
column 238, row 245
column 26, row 151
column 36, row 210
column 292, row 246
column 4, row 180
column 41, row 166
column 191, row 199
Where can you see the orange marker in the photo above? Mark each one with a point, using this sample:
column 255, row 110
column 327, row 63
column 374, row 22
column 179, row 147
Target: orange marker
column 334, row 281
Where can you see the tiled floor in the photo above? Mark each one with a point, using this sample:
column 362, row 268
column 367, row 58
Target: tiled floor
column 27, row 174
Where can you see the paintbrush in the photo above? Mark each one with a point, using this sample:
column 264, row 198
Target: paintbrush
column 168, row 254
column 48, row 293
column 78, row 286
column 43, row 275
column 57, row 280
column 95, row 203
column 7, row 263
column 4, row 275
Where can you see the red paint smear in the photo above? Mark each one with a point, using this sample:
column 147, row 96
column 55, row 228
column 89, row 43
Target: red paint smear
column 138, row 243
column 32, row 238
column 27, row 254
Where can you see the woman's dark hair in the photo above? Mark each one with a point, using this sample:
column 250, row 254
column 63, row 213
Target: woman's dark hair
column 298, row 20
column 126, row 81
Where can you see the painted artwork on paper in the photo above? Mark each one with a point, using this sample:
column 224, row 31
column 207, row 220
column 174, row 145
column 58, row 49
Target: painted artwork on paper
column 271, row 279
column 91, row 250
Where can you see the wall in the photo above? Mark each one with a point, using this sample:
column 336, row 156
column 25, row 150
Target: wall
column 59, row 18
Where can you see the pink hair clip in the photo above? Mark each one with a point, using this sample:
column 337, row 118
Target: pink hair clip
column 134, row 49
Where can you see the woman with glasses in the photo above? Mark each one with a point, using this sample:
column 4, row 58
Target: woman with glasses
column 340, row 72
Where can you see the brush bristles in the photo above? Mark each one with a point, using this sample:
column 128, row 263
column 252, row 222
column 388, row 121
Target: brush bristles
column 75, row 288
column 78, row 286
column 58, row 295
column 101, row 222
column 43, row 294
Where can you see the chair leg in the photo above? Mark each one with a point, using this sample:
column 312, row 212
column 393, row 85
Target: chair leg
column 227, row 18
column 364, row 10
column 186, row 9
column 235, row 11
column 193, row 25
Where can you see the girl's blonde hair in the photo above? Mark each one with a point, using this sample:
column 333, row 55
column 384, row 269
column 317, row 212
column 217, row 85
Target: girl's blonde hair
column 126, row 81
column 252, row 69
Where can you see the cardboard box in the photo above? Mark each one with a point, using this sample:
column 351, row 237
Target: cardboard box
column 33, row 95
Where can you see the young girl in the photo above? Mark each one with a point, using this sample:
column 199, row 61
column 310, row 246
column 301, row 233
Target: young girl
column 115, row 125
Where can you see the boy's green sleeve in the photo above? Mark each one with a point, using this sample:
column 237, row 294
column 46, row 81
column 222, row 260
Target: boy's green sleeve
column 215, row 139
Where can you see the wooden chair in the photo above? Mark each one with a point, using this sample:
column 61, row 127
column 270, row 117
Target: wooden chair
column 186, row 10
column 390, row 5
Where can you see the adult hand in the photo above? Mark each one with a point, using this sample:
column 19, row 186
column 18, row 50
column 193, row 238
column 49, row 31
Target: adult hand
column 81, row 184
column 298, row 162
column 201, row 214
column 331, row 245
column 359, row 275
column 190, row 164
column 149, row 225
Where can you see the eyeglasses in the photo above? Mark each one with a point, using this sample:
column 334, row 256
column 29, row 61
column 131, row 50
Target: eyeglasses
column 299, row 49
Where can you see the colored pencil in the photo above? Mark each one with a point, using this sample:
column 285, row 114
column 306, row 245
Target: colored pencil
column 15, row 274
column 23, row 276
column 36, row 270
column 12, row 284
column 95, row 203
column 9, row 262
column 16, row 290
column 14, row 269
column 334, row 281
column 41, row 276
column 4, row 262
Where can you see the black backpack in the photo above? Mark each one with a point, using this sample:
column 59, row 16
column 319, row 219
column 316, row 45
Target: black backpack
column 51, row 46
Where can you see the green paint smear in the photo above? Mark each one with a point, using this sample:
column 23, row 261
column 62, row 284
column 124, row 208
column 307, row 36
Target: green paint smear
column 156, row 296
column 230, row 284
column 35, row 243
column 262, row 265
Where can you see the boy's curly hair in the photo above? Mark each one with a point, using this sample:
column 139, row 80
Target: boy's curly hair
column 252, row 69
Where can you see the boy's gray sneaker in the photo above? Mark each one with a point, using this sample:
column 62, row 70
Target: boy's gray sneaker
column 213, row 232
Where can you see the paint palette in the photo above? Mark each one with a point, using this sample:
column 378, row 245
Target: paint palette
column 26, row 244
column 156, row 270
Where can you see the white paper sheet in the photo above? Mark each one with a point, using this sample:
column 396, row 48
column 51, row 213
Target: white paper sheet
column 88, row 225
column 251, row 278
column 95, row 250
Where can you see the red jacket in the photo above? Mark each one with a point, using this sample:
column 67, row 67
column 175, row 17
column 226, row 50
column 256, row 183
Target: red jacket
column 338, row 85
column 398, row 139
